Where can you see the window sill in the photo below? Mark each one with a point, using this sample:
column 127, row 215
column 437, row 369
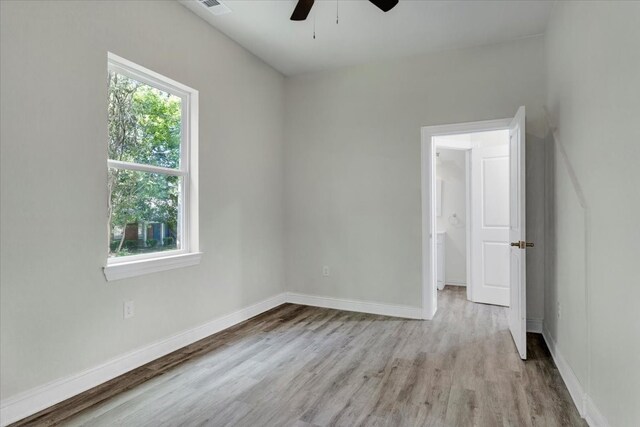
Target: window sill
column 148, row 266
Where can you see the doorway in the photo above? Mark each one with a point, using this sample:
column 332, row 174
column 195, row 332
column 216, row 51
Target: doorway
column 472, row 214
column 494, row 217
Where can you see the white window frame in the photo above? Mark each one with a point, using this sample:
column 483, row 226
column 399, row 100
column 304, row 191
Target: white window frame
column 188, row 254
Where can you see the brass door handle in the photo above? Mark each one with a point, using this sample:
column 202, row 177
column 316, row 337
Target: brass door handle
column 522, row 244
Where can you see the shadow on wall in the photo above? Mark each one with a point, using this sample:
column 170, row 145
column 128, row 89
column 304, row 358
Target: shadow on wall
column 566, row 263
column 536, row 148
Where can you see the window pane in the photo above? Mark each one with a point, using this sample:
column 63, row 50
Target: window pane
column 144, row 123
column 144, row 212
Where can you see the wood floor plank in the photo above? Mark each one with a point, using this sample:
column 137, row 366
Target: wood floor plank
column 309, row 367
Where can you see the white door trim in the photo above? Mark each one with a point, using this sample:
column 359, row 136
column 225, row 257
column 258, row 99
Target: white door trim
column 429, row 286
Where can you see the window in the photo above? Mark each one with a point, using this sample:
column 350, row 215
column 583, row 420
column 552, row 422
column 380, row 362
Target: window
column 152, row 172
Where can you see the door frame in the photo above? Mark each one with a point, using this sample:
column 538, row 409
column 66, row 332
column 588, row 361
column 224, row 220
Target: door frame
column 428, row 189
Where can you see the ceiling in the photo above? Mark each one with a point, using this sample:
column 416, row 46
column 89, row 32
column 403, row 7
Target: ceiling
column 365, row 33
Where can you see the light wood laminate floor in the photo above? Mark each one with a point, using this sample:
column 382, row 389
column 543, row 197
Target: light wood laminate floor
column 305, row 366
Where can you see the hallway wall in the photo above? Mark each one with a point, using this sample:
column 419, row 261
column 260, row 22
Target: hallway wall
column 451, row 168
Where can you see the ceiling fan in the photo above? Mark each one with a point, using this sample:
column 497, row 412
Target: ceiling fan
column 303, row 8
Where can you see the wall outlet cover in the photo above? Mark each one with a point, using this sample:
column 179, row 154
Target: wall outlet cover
column 128, row 309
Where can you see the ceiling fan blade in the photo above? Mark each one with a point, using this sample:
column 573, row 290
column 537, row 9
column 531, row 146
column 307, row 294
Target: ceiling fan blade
column 385, row 5
column 302, row 10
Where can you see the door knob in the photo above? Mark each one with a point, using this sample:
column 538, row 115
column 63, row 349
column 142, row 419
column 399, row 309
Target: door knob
column 522, row 244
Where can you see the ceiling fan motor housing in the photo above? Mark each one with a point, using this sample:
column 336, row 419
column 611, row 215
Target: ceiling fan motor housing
column 303, row 7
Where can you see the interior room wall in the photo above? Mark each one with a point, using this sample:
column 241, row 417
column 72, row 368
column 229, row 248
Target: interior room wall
column 592, row 292
column 352, row 164
column 58, row 314
column 451, row 168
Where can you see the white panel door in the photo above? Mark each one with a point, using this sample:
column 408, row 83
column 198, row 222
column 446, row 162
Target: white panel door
column 518, row 285
column 490, row 224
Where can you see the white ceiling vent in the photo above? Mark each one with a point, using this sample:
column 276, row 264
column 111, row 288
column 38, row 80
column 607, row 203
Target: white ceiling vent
column 215, row 6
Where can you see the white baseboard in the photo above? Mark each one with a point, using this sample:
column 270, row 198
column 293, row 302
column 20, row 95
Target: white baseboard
column 404, row 311
column 592, row 415
column 571, row 381
column 28, row 403
column 583, row 402
column 534, row 325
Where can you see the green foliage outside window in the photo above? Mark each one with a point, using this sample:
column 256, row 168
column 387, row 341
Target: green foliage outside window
column 144, row 128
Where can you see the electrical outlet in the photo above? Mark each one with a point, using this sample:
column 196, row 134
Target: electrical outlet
column 558, row 309
column 128, row 309
column 325, row 271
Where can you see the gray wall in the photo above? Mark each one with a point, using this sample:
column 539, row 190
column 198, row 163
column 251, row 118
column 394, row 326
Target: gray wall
column 594, row 192
column 59, row 315
column 352, row 168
